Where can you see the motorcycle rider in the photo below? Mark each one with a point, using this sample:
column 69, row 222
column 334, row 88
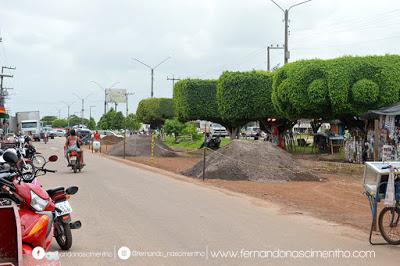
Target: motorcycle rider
column 74, row 143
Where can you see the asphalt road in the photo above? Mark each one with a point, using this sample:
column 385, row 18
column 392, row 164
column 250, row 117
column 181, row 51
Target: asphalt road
column 181, row 223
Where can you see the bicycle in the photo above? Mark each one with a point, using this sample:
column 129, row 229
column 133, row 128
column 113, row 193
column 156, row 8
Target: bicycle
column 389, row 216
column 376, row 190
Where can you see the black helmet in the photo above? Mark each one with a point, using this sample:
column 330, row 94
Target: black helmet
column 27, row 139
column 10, row 156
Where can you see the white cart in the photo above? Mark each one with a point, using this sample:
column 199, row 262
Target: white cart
column 375, row 181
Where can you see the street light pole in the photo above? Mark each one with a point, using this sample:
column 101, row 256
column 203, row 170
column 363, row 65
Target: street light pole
column 286, row 17
column 152, row 72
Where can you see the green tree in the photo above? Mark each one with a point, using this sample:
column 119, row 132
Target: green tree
column 132, row 123
column 191, row 129
column 48, row 119
column 92, row 124
column 60, row 123
column 196, row 99
column 111, row 120
column 173, row 126
column 76, row 120
column 155, row 111
column 243, row 97
column 341, row 88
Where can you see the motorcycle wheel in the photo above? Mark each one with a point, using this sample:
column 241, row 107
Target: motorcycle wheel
column 75, row 167
column 64, row 238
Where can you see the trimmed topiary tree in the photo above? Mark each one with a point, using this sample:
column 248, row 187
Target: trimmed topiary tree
column 243, row 97
column 155, row 111
column 196, row 99
column 341, row 88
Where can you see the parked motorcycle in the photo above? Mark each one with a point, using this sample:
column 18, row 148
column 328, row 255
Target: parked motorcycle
column 43, row 214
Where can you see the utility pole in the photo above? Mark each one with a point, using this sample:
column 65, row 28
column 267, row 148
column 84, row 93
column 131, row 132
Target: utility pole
column 152, row 71
column 173, row 80
column 68, row 109
column 83, row 104
column 2, row 89
column 126, row 117
column 286, row 19
column 271, row 47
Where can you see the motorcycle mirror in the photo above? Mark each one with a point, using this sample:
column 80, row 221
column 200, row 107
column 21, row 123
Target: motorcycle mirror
column 71, row 190
column 53, row 158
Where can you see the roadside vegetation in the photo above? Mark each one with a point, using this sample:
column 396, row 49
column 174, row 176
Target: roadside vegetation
column 190, row 144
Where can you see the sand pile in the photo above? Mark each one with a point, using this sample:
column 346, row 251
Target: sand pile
column 141, row 146
column 251, row 160
column 110, row 140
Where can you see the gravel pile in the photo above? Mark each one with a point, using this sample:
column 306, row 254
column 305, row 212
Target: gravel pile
column 141, row 146
column 110, row 140
column 251, row 160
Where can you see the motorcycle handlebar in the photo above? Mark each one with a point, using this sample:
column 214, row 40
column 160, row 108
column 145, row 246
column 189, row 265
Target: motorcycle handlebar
column 50, row 171
column 6, row 182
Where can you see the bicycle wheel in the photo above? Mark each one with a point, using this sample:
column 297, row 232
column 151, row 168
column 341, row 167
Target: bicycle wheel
column 389, row 224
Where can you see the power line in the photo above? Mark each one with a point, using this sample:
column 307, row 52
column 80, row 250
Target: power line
column 354, row 21
column 347, row 44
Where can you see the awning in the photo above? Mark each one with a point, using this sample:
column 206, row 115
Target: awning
column 4, row 115
column 393, row 110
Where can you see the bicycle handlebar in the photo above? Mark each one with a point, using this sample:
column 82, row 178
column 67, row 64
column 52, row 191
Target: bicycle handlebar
column 389, row 166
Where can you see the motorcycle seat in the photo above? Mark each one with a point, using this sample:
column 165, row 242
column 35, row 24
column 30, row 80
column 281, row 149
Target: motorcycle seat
column 53, row 191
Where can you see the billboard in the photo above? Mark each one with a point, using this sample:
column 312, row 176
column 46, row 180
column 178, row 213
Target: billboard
column 116, row 95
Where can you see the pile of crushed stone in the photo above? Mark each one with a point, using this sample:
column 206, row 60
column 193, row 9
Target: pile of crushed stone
column 251, row 160
column 110, row 140
column 137, row 145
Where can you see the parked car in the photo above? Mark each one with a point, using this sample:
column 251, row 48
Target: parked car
column 104, row 133
column 218, row 130
column 60, row 132
column 252, row 131
column 51, row 133
column 84, row 134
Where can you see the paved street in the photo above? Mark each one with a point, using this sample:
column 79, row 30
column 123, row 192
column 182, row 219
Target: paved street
column 120, row 205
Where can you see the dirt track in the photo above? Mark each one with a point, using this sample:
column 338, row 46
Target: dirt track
column 339, row 199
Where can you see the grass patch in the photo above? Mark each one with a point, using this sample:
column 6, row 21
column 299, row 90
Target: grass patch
column 195, row 144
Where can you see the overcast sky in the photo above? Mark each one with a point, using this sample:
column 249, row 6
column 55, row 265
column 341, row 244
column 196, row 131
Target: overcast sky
column 60, row 46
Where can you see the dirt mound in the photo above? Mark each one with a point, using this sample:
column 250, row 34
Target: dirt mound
column 110, row 140
column 251, row 160
column 141, row 146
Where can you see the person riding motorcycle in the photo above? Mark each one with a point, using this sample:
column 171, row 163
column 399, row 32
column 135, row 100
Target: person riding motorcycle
column 74, row 143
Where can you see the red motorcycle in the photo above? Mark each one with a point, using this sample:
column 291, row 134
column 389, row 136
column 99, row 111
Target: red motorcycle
column 42, row 214
column 74, row 160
